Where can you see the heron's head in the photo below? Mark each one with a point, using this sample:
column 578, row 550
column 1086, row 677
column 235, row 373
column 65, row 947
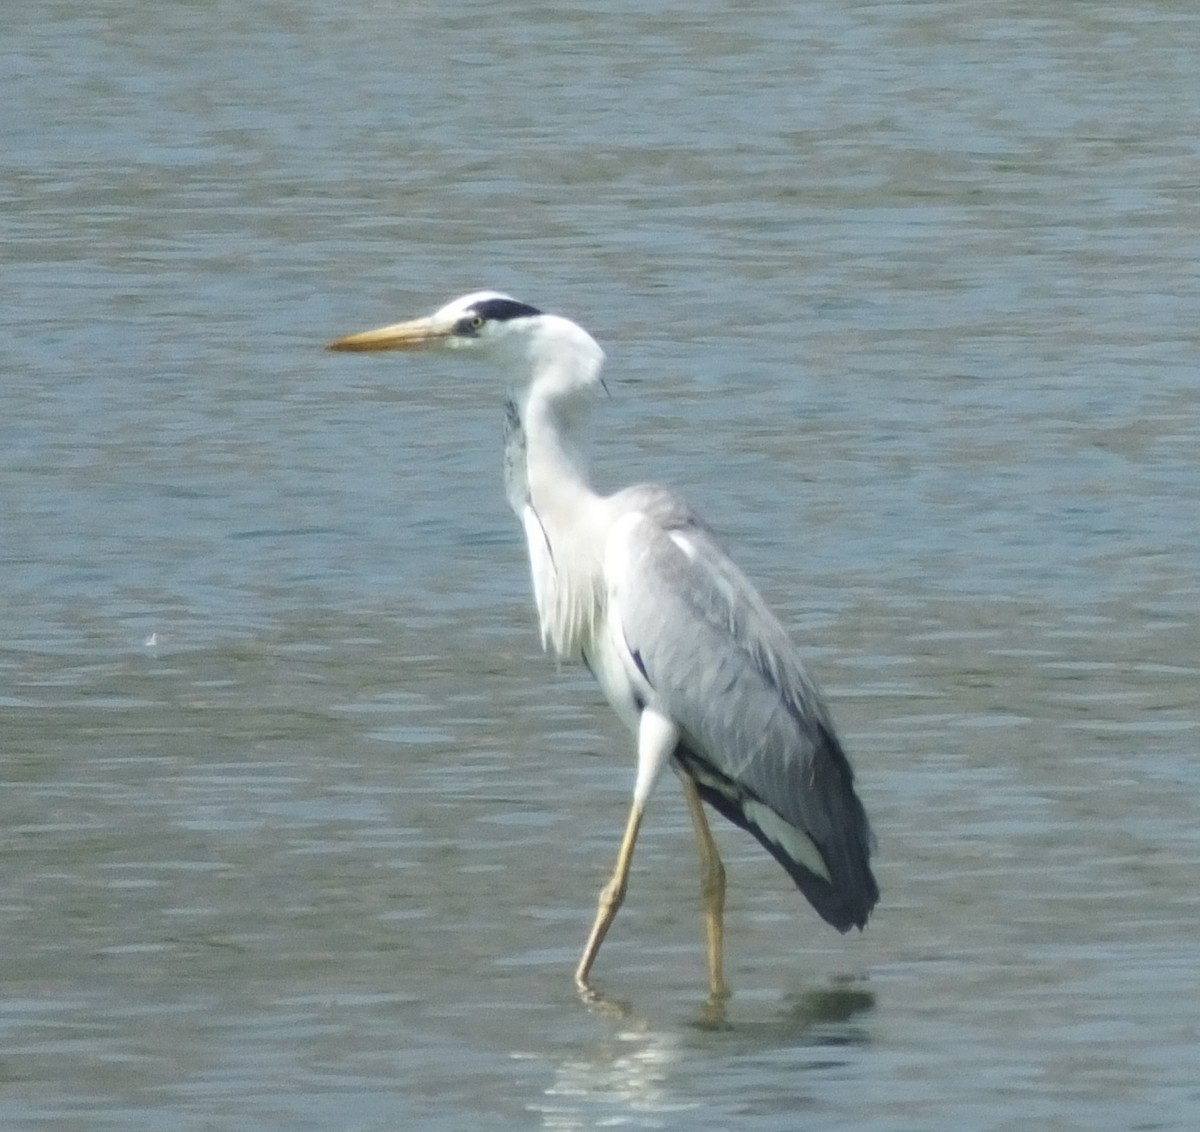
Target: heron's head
column 538, row 347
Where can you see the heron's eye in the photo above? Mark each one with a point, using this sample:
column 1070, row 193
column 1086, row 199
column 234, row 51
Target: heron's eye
column 469, row 325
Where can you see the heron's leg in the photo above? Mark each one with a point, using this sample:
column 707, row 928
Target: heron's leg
column 612, row 895
column 657, row 737
column 712, row 886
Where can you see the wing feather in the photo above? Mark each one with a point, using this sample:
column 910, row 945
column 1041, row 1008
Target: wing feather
column 759, row 739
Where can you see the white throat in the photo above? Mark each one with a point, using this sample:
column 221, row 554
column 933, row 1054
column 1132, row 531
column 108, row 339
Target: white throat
column 561, row 509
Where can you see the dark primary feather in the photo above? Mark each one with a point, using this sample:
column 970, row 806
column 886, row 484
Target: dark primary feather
column 756, row 728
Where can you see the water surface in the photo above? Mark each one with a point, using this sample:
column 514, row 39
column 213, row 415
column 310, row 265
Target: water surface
column 300, row 829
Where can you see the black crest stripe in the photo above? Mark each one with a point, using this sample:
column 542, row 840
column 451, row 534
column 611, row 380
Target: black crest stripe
column 501, row 310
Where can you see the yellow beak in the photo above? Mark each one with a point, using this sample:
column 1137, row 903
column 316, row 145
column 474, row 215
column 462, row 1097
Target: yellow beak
column 399, row 336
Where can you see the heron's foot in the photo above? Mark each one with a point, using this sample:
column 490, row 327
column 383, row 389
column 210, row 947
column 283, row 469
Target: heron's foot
column 718, row 988
column 712, row 1012
column 599, row 1002
column 583, row 984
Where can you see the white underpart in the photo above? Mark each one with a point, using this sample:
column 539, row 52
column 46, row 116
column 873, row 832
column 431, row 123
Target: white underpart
column 618, row 673
column 657, row 740
column 541, row 568
column 566, row 587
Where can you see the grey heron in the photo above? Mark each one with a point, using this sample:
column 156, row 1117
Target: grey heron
column 636, row 586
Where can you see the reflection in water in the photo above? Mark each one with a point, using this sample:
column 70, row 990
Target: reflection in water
column 627, row 1075
column 829, row 1011
column 639, row 1071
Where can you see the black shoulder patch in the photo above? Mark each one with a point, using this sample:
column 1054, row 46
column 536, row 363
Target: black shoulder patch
column 501, row 310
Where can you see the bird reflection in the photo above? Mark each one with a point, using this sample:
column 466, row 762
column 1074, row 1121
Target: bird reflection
column 636, row 1071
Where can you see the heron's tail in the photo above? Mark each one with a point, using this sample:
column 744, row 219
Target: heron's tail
column 844, row 896
column 845, row 906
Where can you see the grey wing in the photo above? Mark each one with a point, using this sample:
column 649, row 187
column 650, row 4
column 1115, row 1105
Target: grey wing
column 757, row 737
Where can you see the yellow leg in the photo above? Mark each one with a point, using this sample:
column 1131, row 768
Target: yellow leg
column 611, row 897
column 712, row 887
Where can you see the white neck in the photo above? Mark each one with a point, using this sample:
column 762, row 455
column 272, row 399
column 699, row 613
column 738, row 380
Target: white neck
column 565, row 362
column 566, row 374
column 556, row 463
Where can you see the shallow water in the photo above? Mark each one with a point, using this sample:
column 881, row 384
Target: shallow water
column 298, row 827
